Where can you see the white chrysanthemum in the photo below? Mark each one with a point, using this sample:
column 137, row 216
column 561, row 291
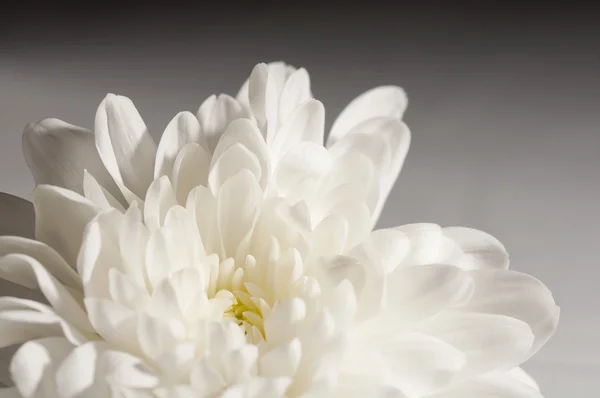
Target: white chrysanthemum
column 236, row 259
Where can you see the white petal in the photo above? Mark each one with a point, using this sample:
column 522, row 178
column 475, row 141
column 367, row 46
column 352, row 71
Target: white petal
column 420, row 291
column 17, row 216
column 357, row 215
column 490, row 342
column 215, row 114
column 385, row 101
column 22, row 320
column 114, row 322
column 305, row 124
column 202, row 205
column 495, row 385
column 479, row 249
column 77, row 375
column 157, row 336
column 238, row 205
column 263, row 97
column 124, row 145
column 99, row 249
column 371, row 391
column 516, row 295
column 329, row 236
column 280, row 325
column 183, row 129
column 58, row 153
column 190, row 170
column 296, row 90
column 306, row 160
column 383, row 140
column 29, row 272
column 205, row 378
column 368, row 282
column 64, row 234
column 422, row 364
column 34, row 365
column 426, row 243
column 160, row 198
column 133, row 239
column 233, row 160
column 268, row 387
column 97, row 194
column 281, row 361
column 384, row 249
column 522, row 376
column 244, row 132
column 51, row 260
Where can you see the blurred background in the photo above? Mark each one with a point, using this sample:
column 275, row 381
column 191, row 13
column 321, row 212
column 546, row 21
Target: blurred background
column 504, row 110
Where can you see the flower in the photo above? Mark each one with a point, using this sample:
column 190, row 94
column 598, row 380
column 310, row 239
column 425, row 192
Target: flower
column 238, row 259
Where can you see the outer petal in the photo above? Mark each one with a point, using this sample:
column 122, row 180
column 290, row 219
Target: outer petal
column 17, row 216
column 215, row 114
column 44, row 254
column 385, row 141
column 29, row 272
column 183, row 129
column 58, row 153
column 306, row 123
column 384, row 101
column 495, row 385
column 125, row 146
column 64, row 234
column 477, row 249
column 516, row 295
column 243, row 132
column 34, row 366
column 490, row 342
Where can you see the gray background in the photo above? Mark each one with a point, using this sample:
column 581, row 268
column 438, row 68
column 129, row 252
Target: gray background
column 504, row 109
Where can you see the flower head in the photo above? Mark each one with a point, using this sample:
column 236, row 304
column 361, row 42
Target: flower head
column 238, row 259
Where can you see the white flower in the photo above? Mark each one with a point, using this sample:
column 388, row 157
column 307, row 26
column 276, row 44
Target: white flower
column 237, row 259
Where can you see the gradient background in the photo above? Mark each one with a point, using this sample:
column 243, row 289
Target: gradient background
column 504, row 109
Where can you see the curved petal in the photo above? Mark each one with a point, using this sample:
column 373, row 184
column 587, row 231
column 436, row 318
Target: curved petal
column 244, row 132
column 384, row 101
column 125, row 146
column 296, row 90
column 22, row 320
column 64, row 234
column 28, row 272
column 478, row 249
column 306, row 160
column 263, row 96
column 385, row 141
column 214, row 116
column 423, row 364
column 47, row 256
column 517, row 295
column 34, row 365
column 160, row 198
column 183, row 129
column 491, row 342
column 306, row 123
column 17, row 216
column 93, row 370
column 415, row 293
column 57, row 153
column 233, row 160
column 190, row 170
column 495, row 385
column 237, row 217
column 97, row 194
